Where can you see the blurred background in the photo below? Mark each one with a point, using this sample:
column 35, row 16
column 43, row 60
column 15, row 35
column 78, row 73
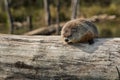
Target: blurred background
column 46, row 17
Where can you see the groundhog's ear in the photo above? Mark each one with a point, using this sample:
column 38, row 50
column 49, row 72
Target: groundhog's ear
column 74, row 29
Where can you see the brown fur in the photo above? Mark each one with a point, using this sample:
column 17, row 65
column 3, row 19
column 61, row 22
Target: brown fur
column 79, row 30
column 86, row 37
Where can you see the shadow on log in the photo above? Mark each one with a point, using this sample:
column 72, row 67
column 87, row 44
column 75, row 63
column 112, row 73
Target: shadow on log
column 47, row 58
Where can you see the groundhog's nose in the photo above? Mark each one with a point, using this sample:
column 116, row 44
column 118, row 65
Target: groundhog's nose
column 66, row 40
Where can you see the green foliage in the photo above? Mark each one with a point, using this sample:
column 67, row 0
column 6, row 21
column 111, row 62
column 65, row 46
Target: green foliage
column 66, row 3
column 93, row 10
column 109, row 28
column 19, row 14
column 26, row 3
column 106, row 33
column 63, row 15
column 3, row 17
column 95, row 2
column 117, row 32
column 113, row 9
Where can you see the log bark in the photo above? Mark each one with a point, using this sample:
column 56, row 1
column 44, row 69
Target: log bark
column 47, row 58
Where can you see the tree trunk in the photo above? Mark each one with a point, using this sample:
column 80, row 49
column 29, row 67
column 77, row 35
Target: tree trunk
column 10, row 19
column 74, row 9
column 47, row 58
column 58, row 17
column 29, row 21
column 47, row 12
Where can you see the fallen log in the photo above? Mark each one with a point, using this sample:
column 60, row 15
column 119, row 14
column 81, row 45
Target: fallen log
column 45, row 30
column 47, row 58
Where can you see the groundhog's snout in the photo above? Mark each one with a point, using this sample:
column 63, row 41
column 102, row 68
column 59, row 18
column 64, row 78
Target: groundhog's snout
column 66, row 40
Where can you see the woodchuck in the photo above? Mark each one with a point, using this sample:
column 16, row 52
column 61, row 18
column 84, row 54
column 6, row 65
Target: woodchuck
column 79, row 30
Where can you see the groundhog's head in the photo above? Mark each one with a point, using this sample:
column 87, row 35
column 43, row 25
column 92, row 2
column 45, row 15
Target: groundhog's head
column 71, row 31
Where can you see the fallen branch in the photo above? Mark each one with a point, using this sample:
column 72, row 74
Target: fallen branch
column 45, row 30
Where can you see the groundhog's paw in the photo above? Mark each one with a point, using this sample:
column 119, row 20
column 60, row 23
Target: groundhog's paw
column 91, row 41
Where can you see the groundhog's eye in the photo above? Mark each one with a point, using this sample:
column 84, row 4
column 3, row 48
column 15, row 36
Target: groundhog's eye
column 66, row 31
column 74, row 29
